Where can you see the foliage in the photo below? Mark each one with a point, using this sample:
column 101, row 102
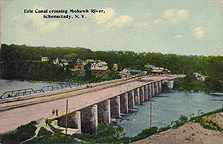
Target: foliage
column 146, row 133
column 54, row 138
column 182, row 120
column 205, row 122
column 44, row 131
column 164, row 128
column 190, row 83
column 202, row 119
column 209, row 124
column 21, row 134
column 23, row 62
column 54, row 129
column 108, row 134
column 103, row 134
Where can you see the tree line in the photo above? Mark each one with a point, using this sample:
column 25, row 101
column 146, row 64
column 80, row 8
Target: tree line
column 24, row 62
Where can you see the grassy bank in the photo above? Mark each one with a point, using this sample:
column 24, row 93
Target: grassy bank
column 103, row 134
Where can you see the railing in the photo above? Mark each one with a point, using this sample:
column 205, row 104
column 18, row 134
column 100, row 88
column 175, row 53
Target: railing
column 29, row 91
column 58, row 86
column 15, row 93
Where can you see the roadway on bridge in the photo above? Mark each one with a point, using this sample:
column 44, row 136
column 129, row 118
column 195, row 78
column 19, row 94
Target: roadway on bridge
column 23, row 114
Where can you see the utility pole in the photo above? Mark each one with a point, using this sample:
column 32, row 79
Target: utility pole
column 150, row 115
column 66, row 115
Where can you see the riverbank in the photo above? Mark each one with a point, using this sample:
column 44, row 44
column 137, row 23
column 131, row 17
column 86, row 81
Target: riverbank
column 190, row 133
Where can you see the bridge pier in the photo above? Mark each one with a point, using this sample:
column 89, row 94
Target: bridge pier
column 149, row 90
column 156, row 88
column 136, row 96
column 73, row 120
column 153, row 89
column 160, row 86
column 141, row 94
column 104, row 112
column 115, row 107
column 89, row 118
column 131, row 100
column 124, row 103
column 146, row 88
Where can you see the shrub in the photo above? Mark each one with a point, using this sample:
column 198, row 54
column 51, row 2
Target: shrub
column 44, row 131
column 164, row 128
column 182, row 120
column 146, row 133
column 21, row 134
column 54, row 138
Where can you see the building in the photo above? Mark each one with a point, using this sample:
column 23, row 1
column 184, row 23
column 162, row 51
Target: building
column 125, row 73
column 115, row 67
column 79, row 65
column 199, row 76
column 148, row 67
column 99, row 68
column 159, row 70
column 78, row 68
column 44, row 59
column 62, row 62
column 91, row 61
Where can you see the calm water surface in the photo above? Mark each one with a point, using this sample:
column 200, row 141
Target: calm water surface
column 167, row 107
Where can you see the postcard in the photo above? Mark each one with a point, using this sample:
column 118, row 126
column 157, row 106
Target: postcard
column 128, row 68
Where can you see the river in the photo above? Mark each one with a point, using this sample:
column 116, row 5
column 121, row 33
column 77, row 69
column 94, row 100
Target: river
column 167, row 107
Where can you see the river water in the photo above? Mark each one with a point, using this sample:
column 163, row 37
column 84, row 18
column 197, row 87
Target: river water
column 167, row 107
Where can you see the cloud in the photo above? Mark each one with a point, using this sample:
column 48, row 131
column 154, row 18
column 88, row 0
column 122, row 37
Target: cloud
column 121, row 21
column 172, row 16
column 169, row 13
column 178, row 36
column 36, row 18
column 36, row 21
column 51, row 26
column 198, row 32
column 102, row 18
column 110, row 19
column 140, row 24
column 183, row 14
column 159, row 21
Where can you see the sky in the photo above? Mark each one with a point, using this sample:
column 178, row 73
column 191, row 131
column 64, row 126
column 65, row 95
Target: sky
column 184, row 27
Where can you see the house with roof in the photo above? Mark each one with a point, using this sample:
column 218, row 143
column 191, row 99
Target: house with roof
column 91, row 61
column 79, row 65
column 148, row 67
column 200, row 76
column 44, row 59
column 99, row 68
column 115, row 67
column 125, row 73
column 159, row 70
column 61, row 62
